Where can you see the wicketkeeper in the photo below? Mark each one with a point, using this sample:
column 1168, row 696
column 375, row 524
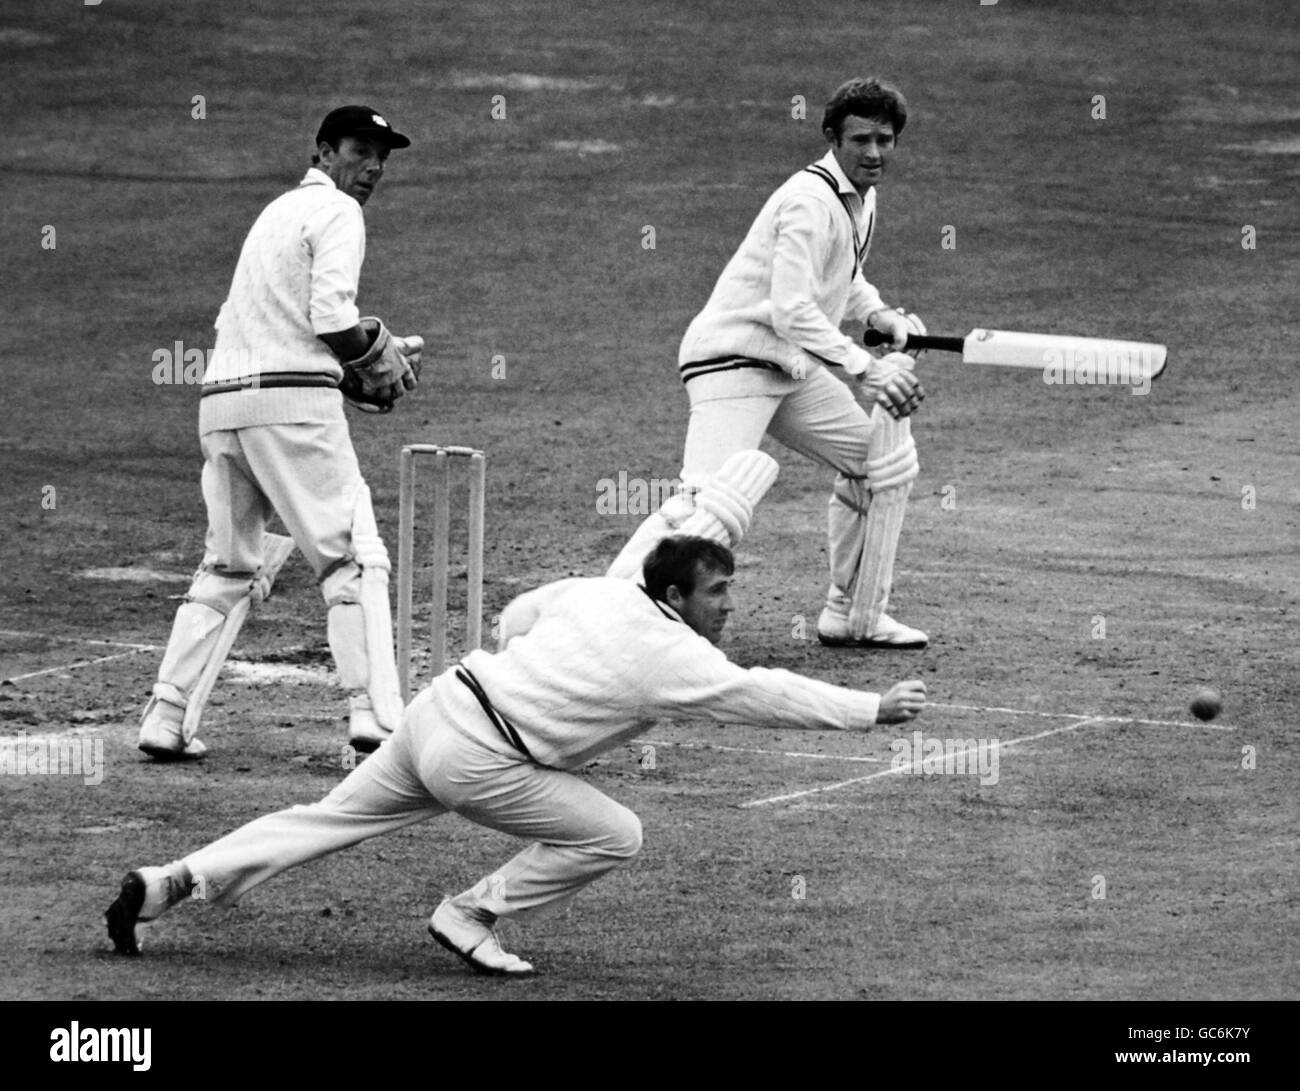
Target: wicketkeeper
column 584, row 665
column 757, row 361
column 291, row 346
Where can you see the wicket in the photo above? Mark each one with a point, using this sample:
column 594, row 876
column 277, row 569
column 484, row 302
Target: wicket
column 442, row 459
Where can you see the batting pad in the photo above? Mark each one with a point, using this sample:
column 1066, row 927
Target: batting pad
column 217, row 653
column 747, row 474
column 715, row 518
column 720, row 508
column 875, row 577
column 892, row 467
column 728, row 496
column 897, row 463
column 381, row 675
column 206, row 628
column 196, row 632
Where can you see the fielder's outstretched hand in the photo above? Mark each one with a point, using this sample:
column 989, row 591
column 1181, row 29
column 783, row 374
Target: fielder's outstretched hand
column 902, row 702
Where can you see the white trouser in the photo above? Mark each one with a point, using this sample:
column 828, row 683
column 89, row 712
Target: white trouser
column 307, row 474
column 446, row 756
column 821, row 419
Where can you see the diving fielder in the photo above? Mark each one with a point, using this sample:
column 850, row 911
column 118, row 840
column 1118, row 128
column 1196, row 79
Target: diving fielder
column 756, row 361
column 291, row 345
column 584, row 665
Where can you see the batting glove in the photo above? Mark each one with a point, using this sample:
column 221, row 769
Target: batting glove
column 897, row 324
column 901, row 394
column 916, row 327
column 896, row 386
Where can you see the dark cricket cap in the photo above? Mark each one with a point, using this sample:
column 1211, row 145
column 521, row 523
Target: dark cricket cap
column 359, row 121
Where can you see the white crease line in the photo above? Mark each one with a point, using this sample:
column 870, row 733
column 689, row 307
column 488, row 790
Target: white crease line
column 1012, row 711
column 1201, row 725
column 1077, row 716
column 78, row 640
column 137, row 649
column 895, row 770
column 1081, row 716
column 755, row 750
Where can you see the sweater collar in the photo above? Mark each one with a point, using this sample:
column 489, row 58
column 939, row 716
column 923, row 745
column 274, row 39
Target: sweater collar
column 831, row 165
column 317, row 177
column 663, row 607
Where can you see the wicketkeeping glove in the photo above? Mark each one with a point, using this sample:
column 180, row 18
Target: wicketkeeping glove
column 389, row 368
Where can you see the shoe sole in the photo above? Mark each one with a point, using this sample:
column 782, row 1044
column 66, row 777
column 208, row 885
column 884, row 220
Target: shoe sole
column 191, row 751
column 867, row 642
column 159, row 753
column 488, row 971
column 124, row 914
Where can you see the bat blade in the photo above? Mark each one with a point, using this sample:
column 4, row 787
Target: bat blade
column 1093, row 359
column 1082, row 360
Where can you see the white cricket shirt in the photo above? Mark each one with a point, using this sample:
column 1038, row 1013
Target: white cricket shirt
column 775, row 311
column 589, row 663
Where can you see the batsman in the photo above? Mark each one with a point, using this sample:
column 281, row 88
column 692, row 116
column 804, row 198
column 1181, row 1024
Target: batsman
column 758, row 360
column 291, row 346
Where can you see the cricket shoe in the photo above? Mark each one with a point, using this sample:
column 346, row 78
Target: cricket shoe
column 145, row 895
column 365, row 733
column 475, row 942
column 161, row 734
column 833, row 631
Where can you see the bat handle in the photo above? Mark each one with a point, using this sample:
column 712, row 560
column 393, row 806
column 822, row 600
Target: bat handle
column 873, row 337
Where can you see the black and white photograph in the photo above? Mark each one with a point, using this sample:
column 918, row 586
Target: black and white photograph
column 527, row 501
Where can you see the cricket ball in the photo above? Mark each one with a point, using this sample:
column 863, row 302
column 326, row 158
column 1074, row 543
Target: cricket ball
column 1206, row 704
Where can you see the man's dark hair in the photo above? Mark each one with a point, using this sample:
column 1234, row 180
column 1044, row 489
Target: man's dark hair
column 869, row 98
column 672, row 563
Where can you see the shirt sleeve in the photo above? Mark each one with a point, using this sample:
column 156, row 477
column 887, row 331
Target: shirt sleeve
column 863, row 299
column 337, row 244
column 695, row 679
column 802, row 247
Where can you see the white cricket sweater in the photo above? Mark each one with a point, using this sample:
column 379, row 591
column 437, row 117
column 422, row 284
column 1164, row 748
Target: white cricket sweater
column 775, row 311
column 588, row 663
column 297, row 276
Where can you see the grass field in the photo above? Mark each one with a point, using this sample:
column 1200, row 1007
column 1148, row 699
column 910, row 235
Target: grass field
column 1083, row 558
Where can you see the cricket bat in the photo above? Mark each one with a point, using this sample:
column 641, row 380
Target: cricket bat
column 1073, row 359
